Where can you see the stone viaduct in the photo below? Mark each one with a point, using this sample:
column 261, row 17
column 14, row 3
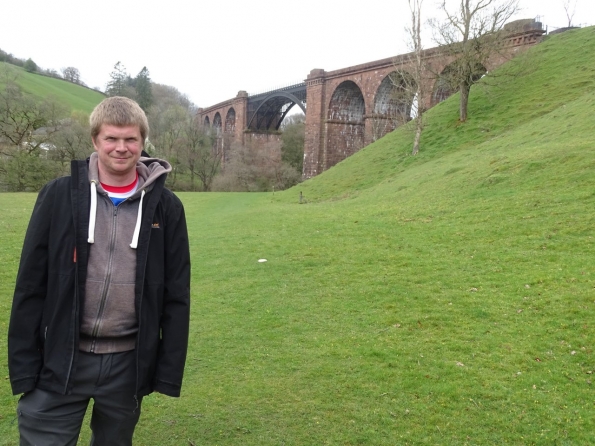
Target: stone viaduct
column 345, row 109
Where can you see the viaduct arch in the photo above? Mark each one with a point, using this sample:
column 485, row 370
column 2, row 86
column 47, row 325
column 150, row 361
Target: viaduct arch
column 346, row 109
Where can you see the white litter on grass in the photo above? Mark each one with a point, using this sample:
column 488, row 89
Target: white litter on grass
column 262, row 260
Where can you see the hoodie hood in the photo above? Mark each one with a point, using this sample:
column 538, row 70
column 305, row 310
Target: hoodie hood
column 148, row 169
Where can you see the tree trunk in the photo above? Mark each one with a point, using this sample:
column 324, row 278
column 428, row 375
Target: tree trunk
column 418, row 129
column 174, row 176
column 464, row 101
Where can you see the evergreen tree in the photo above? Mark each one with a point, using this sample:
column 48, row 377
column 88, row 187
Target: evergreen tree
column 118, row 79
column 142, row 86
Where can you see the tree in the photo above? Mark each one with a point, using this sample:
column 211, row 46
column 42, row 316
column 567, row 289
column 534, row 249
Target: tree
column 292, row 141
column 401, row 94
column 411, row 82
column 297, row 118
column 51, row 73
column 142, row 86
column 118, row 81
column 167, row 116
column 256, row 167
column 472, row 34
column 71, row 74
column 166, row 137
column 419, row 70
column 30, row 66
column 569, row 9
column 9, row 74
column 72, row 140
column 165, row 96
column 27, row 126
column 20, row 116
column 200, row 154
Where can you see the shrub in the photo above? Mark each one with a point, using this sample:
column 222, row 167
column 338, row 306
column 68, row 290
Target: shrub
column 30, row 66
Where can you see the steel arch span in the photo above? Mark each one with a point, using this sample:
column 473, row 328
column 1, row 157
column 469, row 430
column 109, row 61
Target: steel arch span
column 267, row 111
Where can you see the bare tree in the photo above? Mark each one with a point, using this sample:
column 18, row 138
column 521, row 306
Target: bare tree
column 25, row 121
column 298, row 118
column 71, row 74
column 200, row 154
column 27, row 126
column 570, row 10
column 399, row 97
column 472, row 34
column 420, row 71
column 256, row 167
column 71, row 141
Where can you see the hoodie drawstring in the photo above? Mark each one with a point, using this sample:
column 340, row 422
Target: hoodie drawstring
column 93, row 217
column 134, row 243
column 93, row 214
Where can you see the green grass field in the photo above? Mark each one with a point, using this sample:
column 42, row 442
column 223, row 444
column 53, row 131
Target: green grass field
column 72, row 96
column 443, row 299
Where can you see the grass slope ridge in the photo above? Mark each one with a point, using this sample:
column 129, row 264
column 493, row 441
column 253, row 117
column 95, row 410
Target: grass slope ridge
column 442, row 299
column 73, row 96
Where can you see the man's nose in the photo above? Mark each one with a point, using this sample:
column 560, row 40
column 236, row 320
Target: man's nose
column 121, row 145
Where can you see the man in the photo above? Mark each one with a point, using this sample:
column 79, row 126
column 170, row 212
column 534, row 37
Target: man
column 102, row 297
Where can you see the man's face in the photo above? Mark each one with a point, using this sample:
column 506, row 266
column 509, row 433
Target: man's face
column 119, row 148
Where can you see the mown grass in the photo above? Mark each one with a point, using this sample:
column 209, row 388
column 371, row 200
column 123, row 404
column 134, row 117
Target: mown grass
column 443, row 299
column 72, row 96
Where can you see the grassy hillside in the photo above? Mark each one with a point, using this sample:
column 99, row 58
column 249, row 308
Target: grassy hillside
column 442, row 299
column 71, row 95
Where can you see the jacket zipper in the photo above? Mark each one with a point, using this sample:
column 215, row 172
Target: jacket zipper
column 75, row 166
column 106, row 282
column 139, row 317
column 71, row 362
column 140, row 306
column 76, row 306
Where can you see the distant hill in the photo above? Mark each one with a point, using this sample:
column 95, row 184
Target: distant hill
column 73, row 96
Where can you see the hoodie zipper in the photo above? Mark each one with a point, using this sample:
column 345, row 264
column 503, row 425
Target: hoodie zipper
column 106, row 281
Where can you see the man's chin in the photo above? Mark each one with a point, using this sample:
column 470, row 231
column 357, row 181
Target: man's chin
column 121, row 169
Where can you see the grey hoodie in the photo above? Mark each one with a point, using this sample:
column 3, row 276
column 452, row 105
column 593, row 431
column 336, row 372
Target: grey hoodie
column 109, row 323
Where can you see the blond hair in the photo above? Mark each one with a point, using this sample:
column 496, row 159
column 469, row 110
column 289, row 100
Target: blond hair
column 118, row 111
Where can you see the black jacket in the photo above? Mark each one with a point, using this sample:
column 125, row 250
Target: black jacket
column 44, row 325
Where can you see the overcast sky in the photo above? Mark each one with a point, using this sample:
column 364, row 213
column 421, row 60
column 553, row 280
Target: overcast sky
column 210, row 50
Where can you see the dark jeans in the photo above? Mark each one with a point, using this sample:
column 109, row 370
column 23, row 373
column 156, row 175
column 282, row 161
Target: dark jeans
column 50, row 419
